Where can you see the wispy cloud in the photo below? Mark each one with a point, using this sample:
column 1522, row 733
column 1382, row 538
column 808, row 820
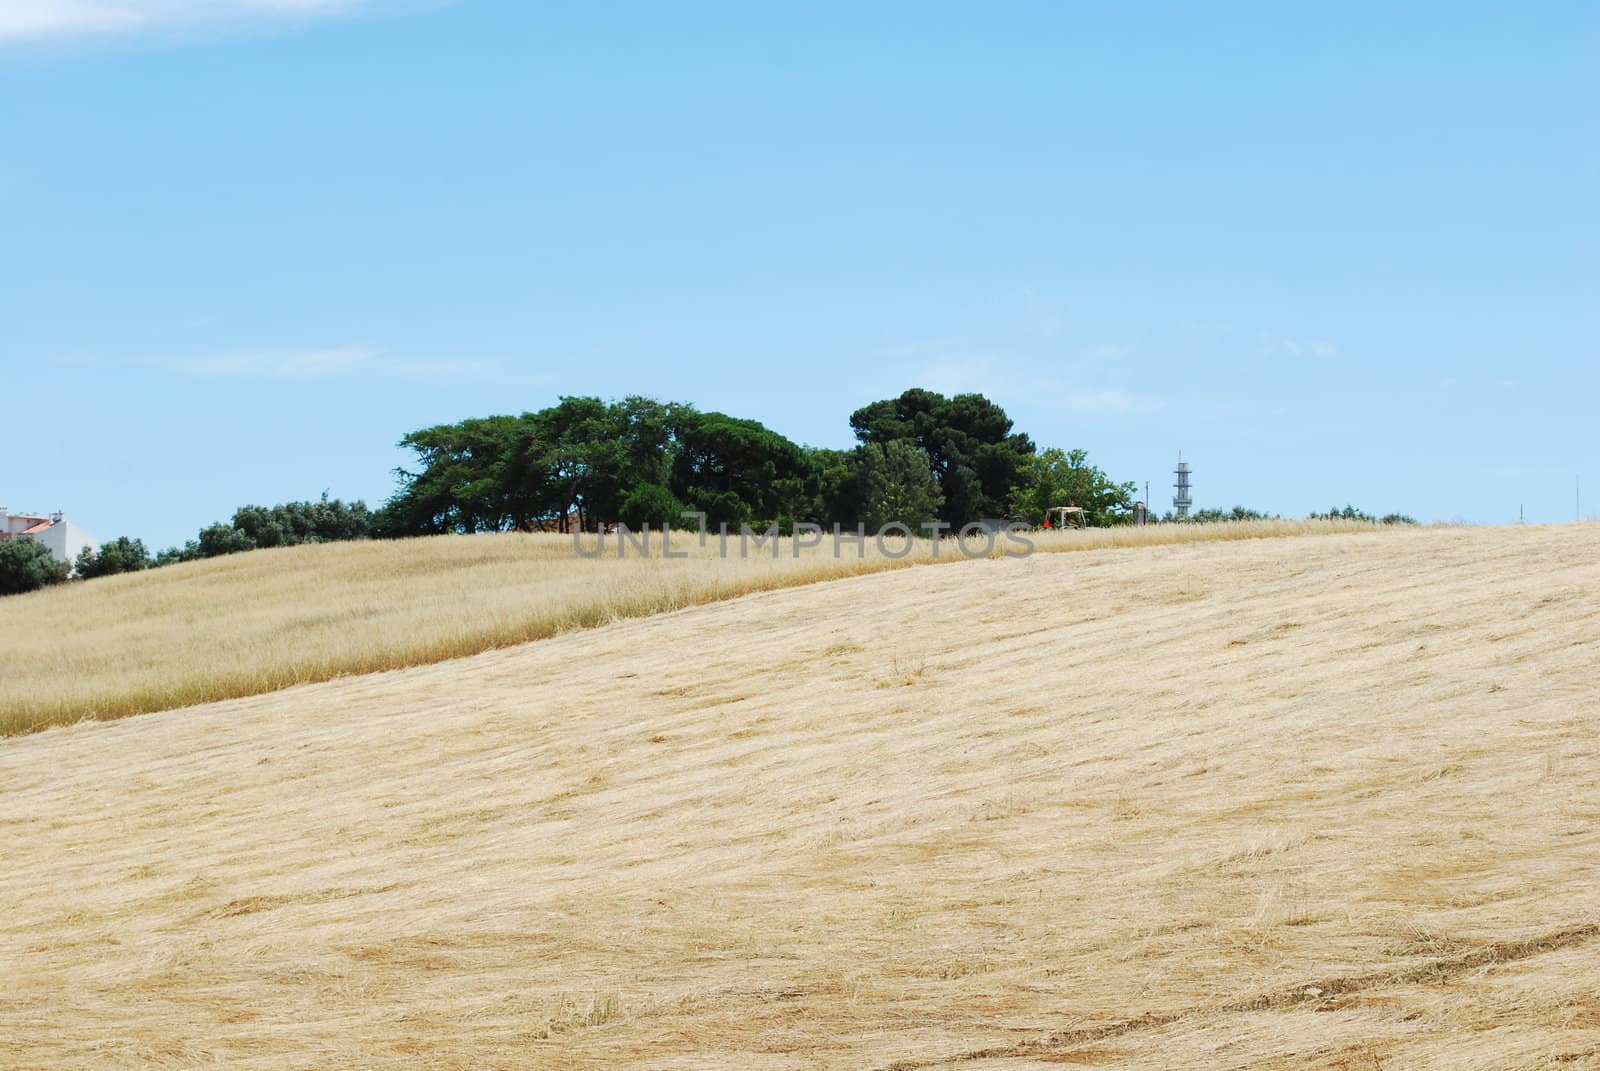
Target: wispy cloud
column 24, row 20
column 277, row 364
column 341, row 362
column 1278, row 346
column 1112, row 402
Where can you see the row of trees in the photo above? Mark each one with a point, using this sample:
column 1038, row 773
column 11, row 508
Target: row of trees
column 27, row 565
column 1347, row 513
column 286, row 525
column 1350, row 513
column 585, row 463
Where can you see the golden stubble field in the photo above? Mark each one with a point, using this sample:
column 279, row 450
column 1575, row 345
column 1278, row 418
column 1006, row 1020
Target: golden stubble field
column 252, row 623
column 1299, row 803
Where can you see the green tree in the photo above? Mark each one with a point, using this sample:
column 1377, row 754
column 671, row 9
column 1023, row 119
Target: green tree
column 651, row 504
column 27, row 565
column 120, row 555
column 291, row 523
column 221, row 538
column 737, row 470
column 972, row 451
column 833, row 486
column 473, row 476
column 1065, row 477
column 581, row 456
column 284, row 525
column 897, row 485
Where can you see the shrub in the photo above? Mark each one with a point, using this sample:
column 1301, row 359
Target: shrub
column 1237, row 513
column 120, row 555
column 27, row 565
column 654, row 505
column 1351, row 513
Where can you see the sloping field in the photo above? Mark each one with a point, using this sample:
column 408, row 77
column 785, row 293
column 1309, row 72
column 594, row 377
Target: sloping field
column 1318, row 803
column 252, row 623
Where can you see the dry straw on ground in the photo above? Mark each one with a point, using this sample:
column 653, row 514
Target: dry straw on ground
column 1320, row 803
column 253, row 623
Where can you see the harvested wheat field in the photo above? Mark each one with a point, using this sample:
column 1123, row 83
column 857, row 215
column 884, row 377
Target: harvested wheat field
column 1290, row 803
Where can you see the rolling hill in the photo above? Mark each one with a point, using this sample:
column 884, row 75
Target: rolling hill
column 1312, row 803
column 244, row 624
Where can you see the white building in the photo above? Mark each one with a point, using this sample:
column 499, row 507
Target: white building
column 65, row 539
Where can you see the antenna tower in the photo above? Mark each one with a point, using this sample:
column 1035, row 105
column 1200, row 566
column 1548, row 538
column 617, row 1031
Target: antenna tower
column 1181, row 501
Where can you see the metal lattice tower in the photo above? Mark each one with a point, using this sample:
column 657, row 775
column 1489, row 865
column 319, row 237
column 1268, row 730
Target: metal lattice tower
column 1181, row 501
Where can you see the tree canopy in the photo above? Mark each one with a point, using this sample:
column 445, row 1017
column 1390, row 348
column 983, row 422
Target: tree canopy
column 285, row 525
column 897, row 485
column 119, row 555
column 591, row 462
column 588, row 463
column 1065, row 477
column 972, row 452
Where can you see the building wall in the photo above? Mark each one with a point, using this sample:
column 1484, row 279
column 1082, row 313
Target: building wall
column 66, row 541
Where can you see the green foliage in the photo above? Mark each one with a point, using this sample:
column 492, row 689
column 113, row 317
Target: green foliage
column 174, row 555
column 1238, row 513
column 587, row 462
column 1351, row 513
column 897, row 485
column 1065, row 477
column 1348, row 513
column 292, row 523
column 737, row 470
column 27, row 565
column 120, row 555
column 588, row 459
column 653, row 505
column 474, row 476
column 286, row 525
column 833, row 486
column 972, row 452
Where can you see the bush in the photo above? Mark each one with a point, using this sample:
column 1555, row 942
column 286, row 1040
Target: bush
column 27, row 565
column 654, row 505
column 286, row 525
column 1237, row 513
column 1350, row 513
column 1065, row 477
column 120, row 555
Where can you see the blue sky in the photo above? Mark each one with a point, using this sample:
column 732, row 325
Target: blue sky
column 1340, row 255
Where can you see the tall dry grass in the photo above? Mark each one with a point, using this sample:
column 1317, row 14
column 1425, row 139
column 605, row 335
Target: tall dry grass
column 253, row 623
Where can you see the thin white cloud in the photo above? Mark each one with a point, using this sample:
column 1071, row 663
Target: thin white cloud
column 1278, row 346
column 25, row 20
column 1106, row 354
column 1112, row 402
column 277, row 364
column 341, row 362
